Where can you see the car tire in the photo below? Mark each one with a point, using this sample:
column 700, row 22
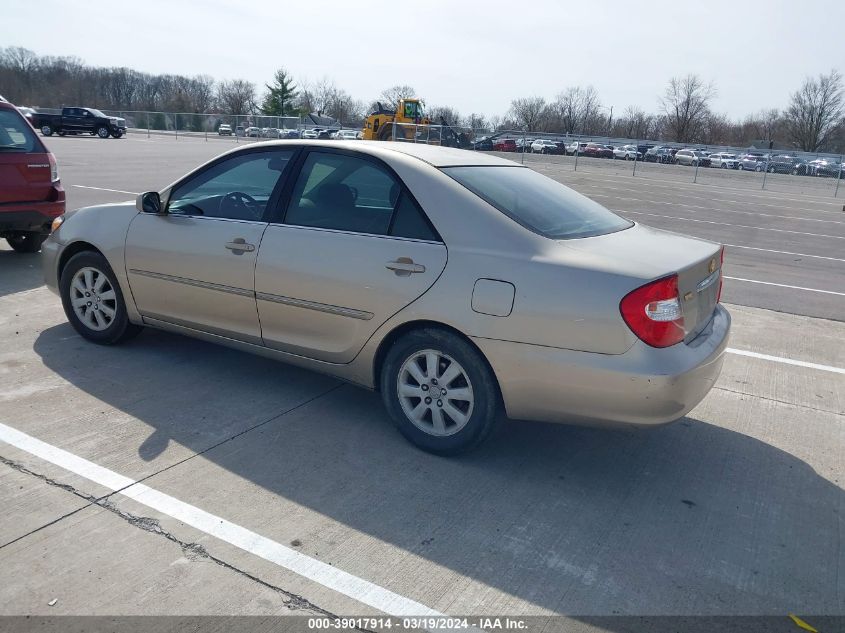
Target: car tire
column 117, row 134
column 89, row 278
column 102, row 131
column 47, row 130
column 442, row 425
column 26, row 241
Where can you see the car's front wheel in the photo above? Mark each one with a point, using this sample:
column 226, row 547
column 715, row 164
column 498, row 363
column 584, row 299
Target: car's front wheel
column 439, row 391
column 103, row 131
column 26, row 241
column 47, row 130
column 93, row 301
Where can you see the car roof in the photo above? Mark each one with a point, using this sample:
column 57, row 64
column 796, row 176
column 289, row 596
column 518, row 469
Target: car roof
column 431, row 154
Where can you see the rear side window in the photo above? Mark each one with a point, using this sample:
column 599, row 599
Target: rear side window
column 16, row 134
column 538, row 203
column 346, row 193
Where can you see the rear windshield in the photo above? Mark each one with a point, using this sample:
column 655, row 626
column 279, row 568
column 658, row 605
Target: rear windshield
column 16, row 134
column 538, row 203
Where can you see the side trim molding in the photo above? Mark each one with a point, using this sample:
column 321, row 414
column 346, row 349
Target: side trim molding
column 193, row 282
column 313, row 305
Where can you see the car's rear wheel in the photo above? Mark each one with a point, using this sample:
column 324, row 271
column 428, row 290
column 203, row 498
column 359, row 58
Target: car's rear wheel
column 93, row 301
column 26, row 241
column 439, row 391
column 47, row 130
column 103, row 131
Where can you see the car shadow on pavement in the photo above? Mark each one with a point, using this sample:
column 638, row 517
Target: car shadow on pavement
column 690, row 518
column 19, row 271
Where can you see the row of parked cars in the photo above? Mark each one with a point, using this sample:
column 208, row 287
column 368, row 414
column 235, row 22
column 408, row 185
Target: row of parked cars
column 751, row 161
column 271, row 132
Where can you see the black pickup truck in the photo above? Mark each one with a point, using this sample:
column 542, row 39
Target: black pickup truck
column 79, row 121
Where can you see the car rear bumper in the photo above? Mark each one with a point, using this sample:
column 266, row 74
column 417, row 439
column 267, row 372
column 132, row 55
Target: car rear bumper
column 644, row 386
column 31, row 216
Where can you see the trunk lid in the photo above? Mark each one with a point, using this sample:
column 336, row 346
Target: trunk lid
column 646, row 254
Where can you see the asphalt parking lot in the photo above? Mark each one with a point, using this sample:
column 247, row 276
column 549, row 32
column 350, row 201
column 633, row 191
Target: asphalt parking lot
column 250, row 487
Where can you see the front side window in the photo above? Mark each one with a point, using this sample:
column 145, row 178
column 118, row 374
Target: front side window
column 238, row 188
column 336, row 191
column 538, row 203
column 15, row 133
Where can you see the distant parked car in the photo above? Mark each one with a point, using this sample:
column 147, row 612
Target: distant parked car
column 596, row 150
column 240, row 131
column 692, row 158
column 824, row 167
column 310, row 133
column 523, row 144
column 786, row 164
column 724, row 160
column 659, row 154
column 544, row 146
column 483, row 144
column 252, row 132
column 753, row 162
column 504, row 145
column 575, row 148
column 626, row 152
column 31, row 194
column 346, row 135
column 224, row 130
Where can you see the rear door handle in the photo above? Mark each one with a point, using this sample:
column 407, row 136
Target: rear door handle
column 239, row 245
column 404, row 266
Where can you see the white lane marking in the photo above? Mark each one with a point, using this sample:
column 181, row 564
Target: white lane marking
column 329, row 576
column 741, row 226
column 771, row 283
column 786, row 361
column 134, row 193
column 769, row 250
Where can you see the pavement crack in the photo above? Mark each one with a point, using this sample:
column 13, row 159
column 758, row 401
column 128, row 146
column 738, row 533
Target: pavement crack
column 192, row 551
column 52, row 482
column 196, row 552
column 793, row 404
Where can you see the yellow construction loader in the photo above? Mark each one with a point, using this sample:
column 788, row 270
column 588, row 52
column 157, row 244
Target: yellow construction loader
column 409, row 123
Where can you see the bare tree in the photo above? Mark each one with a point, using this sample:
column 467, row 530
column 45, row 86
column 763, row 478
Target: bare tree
column 390, row 96
column 815, row 110
column 237, row 96
column 528, row 112
column 686, row 105
column 475, row 121
column 437, row 114
column 635, row 123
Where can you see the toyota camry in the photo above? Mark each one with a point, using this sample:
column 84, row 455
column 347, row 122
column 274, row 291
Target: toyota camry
column 463, row 287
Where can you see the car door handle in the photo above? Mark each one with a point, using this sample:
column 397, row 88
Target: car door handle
column 239, row 245
column 404, row 266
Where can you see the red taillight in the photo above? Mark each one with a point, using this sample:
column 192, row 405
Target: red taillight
column 721, row 266
column 653, row 312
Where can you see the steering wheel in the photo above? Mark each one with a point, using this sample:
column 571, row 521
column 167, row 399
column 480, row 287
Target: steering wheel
column 236, row 201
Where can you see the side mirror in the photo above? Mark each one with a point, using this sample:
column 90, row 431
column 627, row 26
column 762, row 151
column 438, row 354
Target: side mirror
column 149, row 202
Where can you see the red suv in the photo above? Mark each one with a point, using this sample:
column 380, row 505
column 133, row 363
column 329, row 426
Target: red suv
column 31, row 195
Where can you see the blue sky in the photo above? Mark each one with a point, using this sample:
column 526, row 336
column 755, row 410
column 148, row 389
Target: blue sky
column 473, row 56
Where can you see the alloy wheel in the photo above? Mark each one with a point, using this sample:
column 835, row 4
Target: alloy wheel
column 435, row 393
column 93, row 299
